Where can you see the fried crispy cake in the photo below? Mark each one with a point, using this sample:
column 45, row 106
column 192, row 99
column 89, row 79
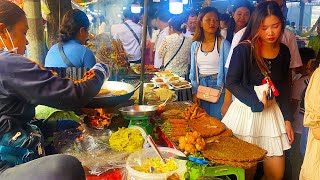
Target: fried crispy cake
column 207, row 126
column 234, row 150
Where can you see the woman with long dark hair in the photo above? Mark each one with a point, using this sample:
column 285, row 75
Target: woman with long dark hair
column 208, row 56
column 258, row 72
column 70, row 51
column 241, row 13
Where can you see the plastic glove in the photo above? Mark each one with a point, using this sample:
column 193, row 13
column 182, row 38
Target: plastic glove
column 102, row 68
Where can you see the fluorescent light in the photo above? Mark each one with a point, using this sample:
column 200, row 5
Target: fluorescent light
column 185, row 1
column 175, row 6
column 135, row 8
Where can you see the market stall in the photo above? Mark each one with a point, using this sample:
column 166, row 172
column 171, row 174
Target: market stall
column 113, row 143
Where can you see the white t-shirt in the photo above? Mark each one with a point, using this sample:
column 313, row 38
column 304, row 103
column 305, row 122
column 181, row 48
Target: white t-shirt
column 188, row 34
column 288, row 38
column 130, row 43
column 155, row 34
column 161, row 35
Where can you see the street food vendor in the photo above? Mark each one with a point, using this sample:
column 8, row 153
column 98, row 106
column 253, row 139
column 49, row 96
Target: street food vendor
column 23, row 85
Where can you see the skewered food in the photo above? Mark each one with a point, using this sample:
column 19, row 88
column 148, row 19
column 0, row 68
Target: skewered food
column 175, row 128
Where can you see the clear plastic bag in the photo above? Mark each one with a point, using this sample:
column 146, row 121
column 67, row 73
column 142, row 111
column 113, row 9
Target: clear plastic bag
column 93, row 150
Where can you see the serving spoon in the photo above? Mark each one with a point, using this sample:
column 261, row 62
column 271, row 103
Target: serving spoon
column 155, row 148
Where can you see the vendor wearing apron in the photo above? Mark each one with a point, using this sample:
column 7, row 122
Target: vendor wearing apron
column 23, row 85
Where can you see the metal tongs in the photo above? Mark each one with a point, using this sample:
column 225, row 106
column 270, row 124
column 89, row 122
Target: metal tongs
column 155, row 148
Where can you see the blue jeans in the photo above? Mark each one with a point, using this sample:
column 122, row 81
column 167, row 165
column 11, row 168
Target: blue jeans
column 304, row 140
column 213, row 109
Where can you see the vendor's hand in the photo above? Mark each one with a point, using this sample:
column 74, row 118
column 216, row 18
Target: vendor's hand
column 289, row 131
column 195, row 99
column 266, row 103
column 102, row 68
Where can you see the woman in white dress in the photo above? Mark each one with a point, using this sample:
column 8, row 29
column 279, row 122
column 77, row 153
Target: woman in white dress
column 258, row 78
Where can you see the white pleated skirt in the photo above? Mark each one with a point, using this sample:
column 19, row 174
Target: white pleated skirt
column 265, row 129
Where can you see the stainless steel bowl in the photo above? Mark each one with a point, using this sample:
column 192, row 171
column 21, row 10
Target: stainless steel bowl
column 137, row 111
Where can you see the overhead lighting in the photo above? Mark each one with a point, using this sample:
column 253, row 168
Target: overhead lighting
column 175, row 6
column 156, row 0
column 135, row 7
column 185, row 1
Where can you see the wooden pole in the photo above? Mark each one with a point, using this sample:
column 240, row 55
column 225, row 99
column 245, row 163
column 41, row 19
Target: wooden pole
column 143, row 48
column 36, row 47
column 302, row 7
column 58, row 8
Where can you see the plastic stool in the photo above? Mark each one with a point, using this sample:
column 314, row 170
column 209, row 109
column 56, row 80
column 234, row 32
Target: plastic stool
column 218, row 171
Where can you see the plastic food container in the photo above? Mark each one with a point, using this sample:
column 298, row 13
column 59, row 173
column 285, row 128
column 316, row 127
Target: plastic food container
column 136, row 158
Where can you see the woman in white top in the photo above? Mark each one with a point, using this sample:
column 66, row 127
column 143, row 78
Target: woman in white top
column 209, row 53
column 175, row 48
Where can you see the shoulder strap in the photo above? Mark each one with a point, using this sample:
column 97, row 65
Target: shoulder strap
column 134, row 34
column 175, row 53
column 196, row 62
column 306, row 82
column 302, row 105
column 63, row 55
column 218, row 44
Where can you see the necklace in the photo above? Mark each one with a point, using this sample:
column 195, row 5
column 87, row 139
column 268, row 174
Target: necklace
column 207, row 52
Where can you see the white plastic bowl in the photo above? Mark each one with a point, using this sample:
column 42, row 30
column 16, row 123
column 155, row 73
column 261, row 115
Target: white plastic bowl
column 134, row 158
